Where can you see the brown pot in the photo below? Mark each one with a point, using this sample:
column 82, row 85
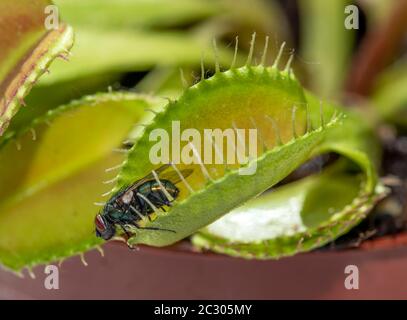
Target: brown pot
column 180, row 273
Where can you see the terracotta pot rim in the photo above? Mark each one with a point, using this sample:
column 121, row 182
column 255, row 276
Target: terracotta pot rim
column 184, row 248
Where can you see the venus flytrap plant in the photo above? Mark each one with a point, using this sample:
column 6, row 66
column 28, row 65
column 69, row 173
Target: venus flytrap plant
column 295, row 218
column 312, row 212
column 69, row 158
column 62, row 162
column 309, row 213
column 292, row 126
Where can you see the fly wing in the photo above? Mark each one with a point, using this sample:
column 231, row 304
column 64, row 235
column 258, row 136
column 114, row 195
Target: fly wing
column 148, row 177
column 161, row 169
column 166, row 172
column 174, row 177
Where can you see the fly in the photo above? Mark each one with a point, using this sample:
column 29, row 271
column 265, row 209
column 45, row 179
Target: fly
column 139, row 201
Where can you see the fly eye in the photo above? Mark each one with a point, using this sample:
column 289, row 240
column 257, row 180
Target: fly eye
column 100, row 223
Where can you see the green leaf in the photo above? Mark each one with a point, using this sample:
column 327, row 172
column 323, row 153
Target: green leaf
column 295, row 218
column 310, row 213
column 326, row 44
column 44, row 98
column 27, row 49
column 390, row 94
column 135, row 13
column 97, row 53
column 355, row 139
column 52, row 172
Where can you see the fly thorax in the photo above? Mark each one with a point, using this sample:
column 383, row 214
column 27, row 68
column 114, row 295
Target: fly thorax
column 127, row 197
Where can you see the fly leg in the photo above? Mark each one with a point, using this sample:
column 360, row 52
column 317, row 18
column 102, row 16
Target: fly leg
column 160, row 202
column 125, row 231
column 127, row 236
column 138, row 214
column 168, row 202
